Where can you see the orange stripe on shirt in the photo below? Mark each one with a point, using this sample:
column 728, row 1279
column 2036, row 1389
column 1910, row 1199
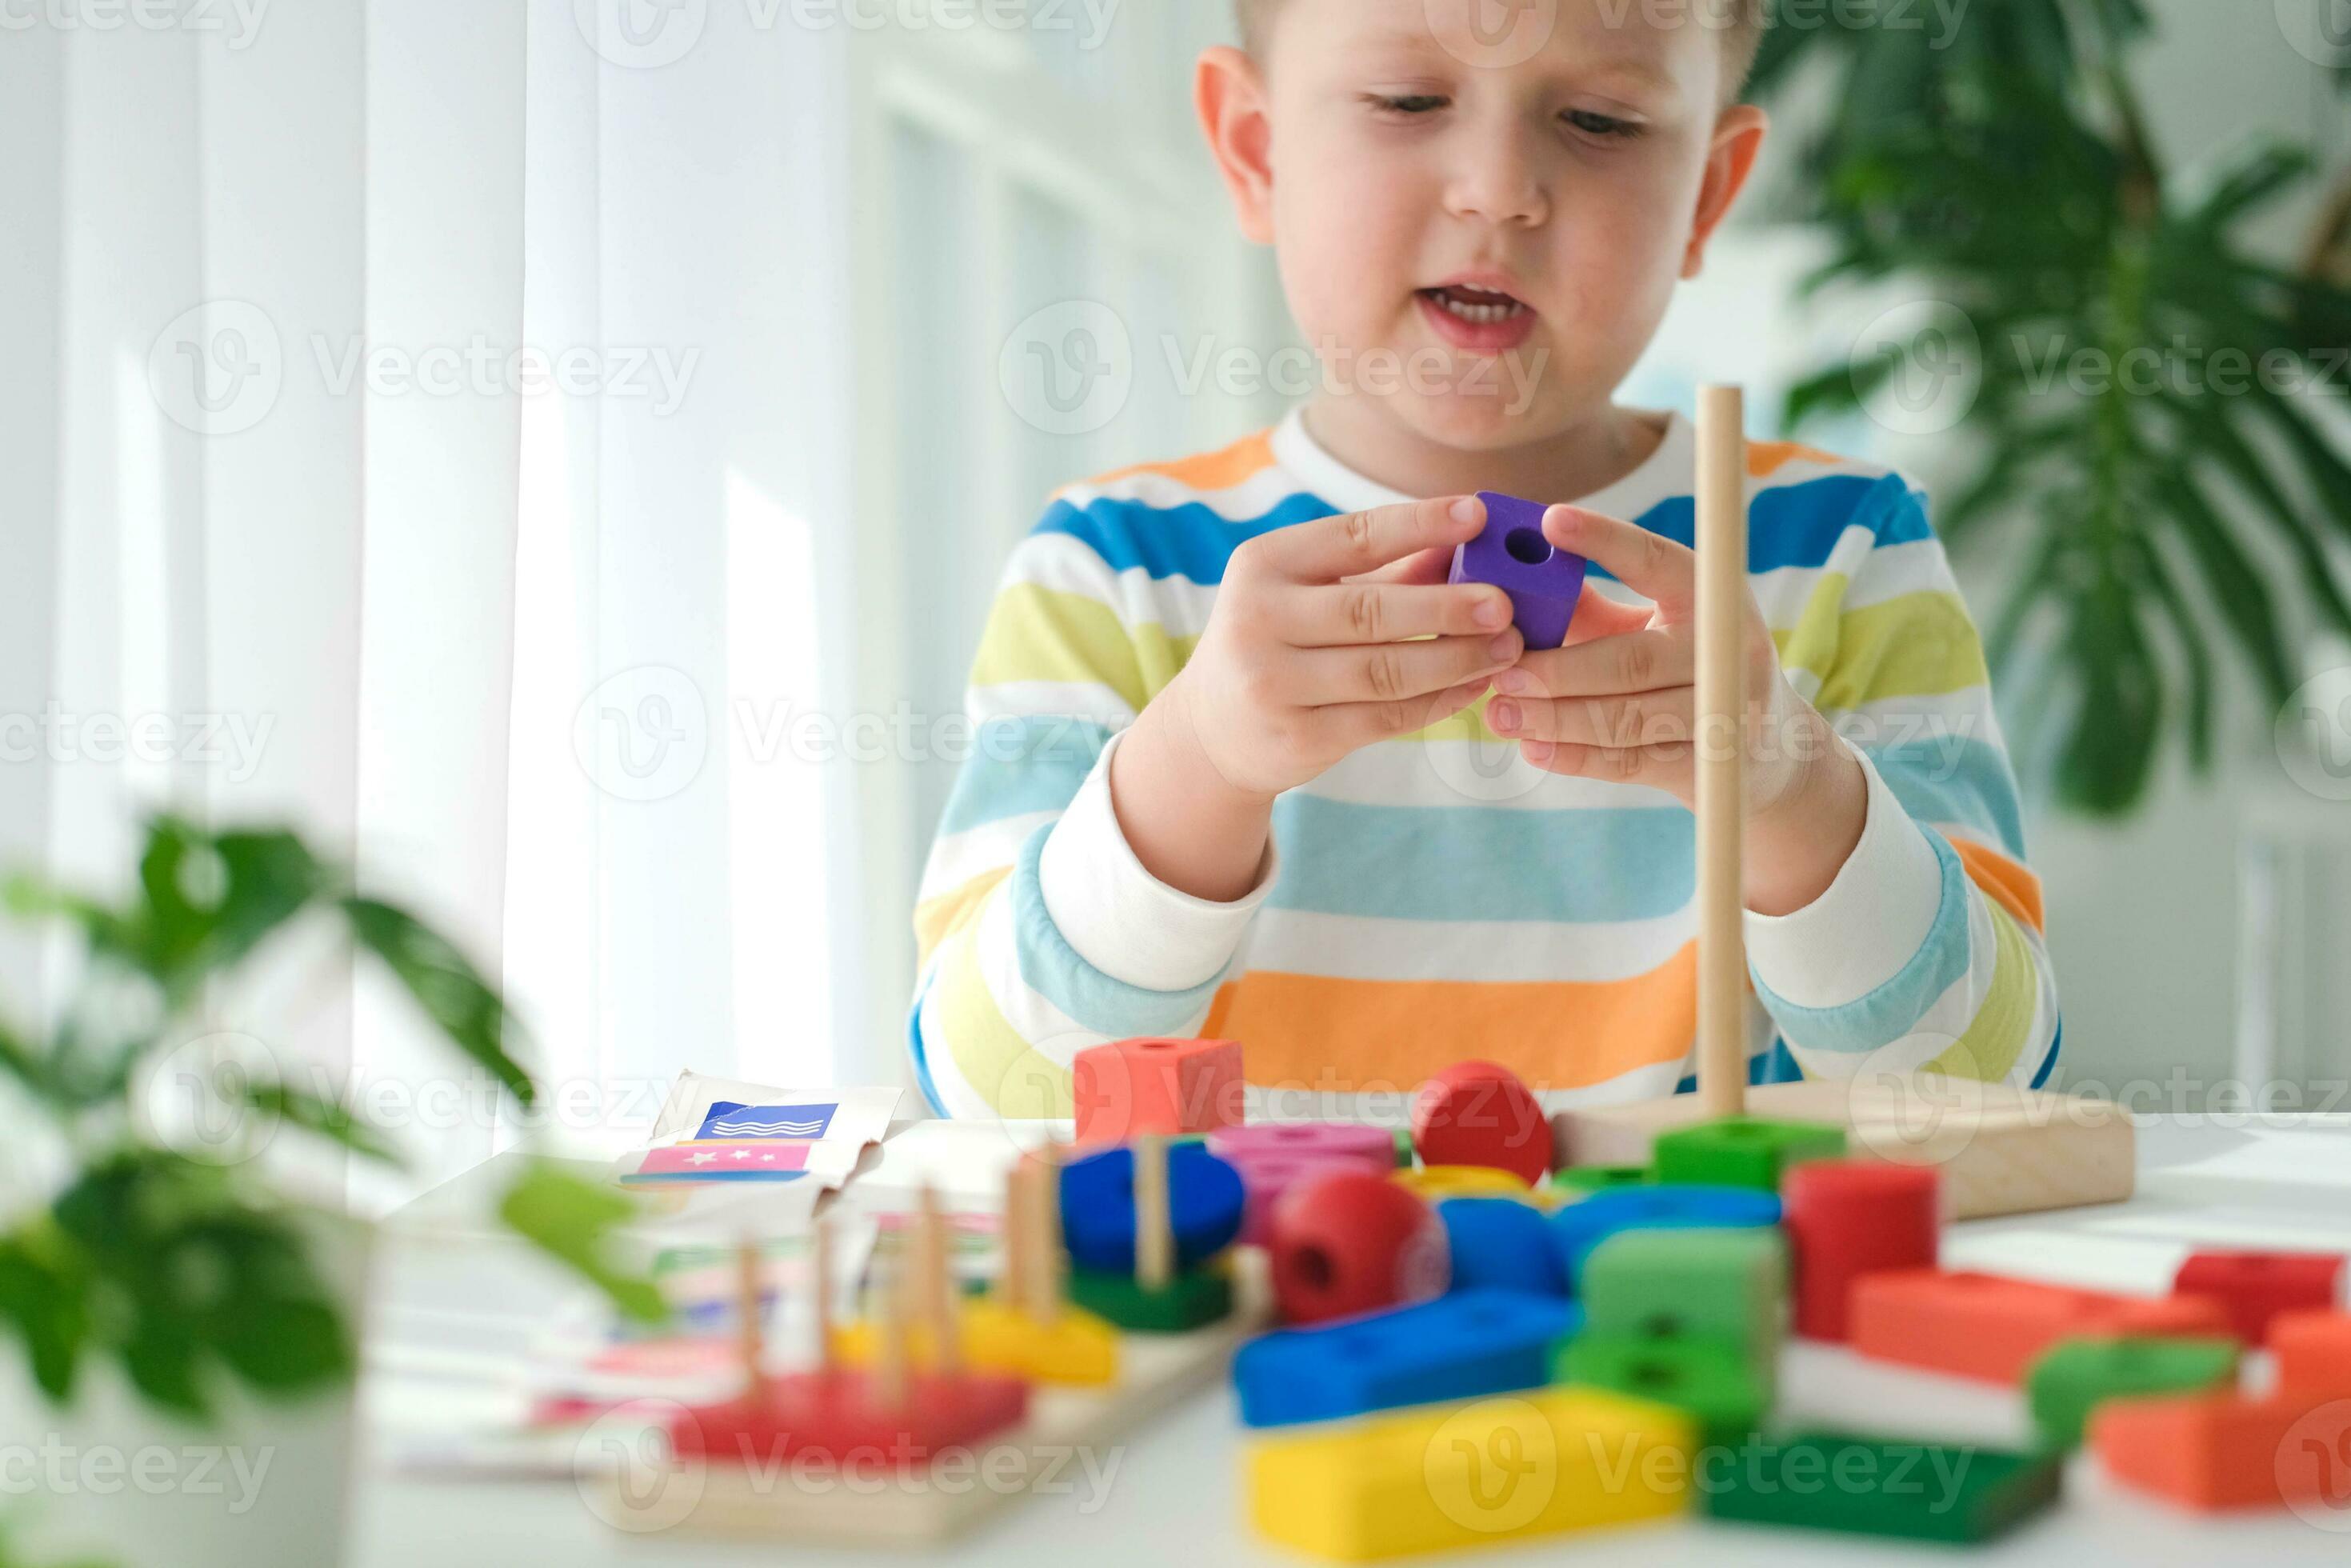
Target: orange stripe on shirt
column 2004, row 882
column 1219, row 470
column 1324, row 1034
column 1765, row 458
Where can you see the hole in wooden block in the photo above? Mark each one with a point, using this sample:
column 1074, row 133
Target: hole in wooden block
column 1655, row 1374
column 1527, row 546
column 1313, row 1266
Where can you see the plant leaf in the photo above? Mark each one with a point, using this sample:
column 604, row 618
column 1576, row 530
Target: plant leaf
column 570, row 1220
column 449, row 989
column 323, row 1117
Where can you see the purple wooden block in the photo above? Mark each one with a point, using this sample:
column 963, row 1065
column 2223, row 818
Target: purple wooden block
column 1542, row 580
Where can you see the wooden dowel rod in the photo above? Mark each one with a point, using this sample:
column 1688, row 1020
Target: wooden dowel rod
column 1155, row 1242
column 1045, row 1234
column 820, row 1281
column 1721, row 748
column 1012, row 1275
column 938, row 1284
column 749, row 1340
column 890, row 1350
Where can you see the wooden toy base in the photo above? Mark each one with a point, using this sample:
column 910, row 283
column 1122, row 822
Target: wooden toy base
column 936, row 1505
column 2001, row 1150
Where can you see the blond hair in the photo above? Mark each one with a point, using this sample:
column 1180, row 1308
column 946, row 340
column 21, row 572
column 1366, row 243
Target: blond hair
column 1743, row 31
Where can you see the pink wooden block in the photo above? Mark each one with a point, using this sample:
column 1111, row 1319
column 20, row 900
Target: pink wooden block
column 1374, row 1146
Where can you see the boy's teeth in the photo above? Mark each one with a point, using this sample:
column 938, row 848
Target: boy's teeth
column 1481, row 315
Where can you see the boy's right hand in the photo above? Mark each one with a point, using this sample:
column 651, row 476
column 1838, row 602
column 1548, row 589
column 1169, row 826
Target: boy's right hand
column 1304, row 658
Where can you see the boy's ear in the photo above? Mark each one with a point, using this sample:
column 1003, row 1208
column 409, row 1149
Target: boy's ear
column 1228, row 91
column 1738, row 137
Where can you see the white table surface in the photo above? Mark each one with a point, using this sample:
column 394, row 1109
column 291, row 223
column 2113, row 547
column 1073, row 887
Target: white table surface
column 1173, row 1495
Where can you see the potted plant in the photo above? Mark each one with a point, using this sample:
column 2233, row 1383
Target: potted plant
column 182, row 1310
column 2143, row 423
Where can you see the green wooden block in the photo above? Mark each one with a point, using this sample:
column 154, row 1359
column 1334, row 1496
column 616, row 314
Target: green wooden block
column 1403, row 1152
column 1710, row 1377
column 1194, row 1299
column 1868, row 1486
column 1743, row 1150
column 2075, row 1375
column 1591, row 1178
column 1730, row 1285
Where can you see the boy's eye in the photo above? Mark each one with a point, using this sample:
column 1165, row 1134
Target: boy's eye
column 1408, row 103
column 1592, row 124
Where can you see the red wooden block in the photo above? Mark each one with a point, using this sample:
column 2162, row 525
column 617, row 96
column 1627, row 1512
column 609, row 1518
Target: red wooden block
column 836, row 1412
column 1346, row 1241
column 1479, row 1114
column 1168, row 1086
column 1846, row 1219
column 1991, row 1328
column 2215, row 1452
column 2314, row 1354
column 2257, row 1286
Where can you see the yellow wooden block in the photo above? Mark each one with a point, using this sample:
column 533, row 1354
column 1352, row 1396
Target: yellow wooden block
column 1076, row 1348
column 1435, row 1182
column 1505, row 1467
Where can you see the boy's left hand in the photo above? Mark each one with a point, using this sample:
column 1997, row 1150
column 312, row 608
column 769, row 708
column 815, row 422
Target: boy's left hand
column 1618, row 703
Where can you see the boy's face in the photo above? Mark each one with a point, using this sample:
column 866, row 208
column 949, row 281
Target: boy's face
column 1512, row 228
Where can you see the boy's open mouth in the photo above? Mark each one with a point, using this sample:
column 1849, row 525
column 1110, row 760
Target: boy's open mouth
column 1480, row 307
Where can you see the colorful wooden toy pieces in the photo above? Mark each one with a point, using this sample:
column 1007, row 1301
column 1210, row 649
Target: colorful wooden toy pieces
column 1579, row 1228
column 1144, row 1228
column 1542, row 1463
column 1024, row 1328
column 2255, row 1287
column 1479, row 1114
column 1728, row 1286
column 890, row 1407
column 2216, row 1452
column 1434, row 1184
column 2313, row 1352
column 1542, row 580
column 1992, row 1329
column 1920, row 1491
column 1100, row 1193
column 2076, row 1376
column 1576, row 1180
column 1273, row 1157
column 1500, row 1244
column 1705, row 1378
column 1846, row 1219
column 1743, row 1150
column 1129, row 1087
column 1460, row 1346
column 1346, row 1241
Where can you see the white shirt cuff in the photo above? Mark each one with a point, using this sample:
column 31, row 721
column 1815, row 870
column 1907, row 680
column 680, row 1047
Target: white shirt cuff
column 1123, row 920
column 1868, row 924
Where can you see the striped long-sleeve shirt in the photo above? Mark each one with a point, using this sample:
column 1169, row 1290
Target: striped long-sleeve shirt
column 1435, row 898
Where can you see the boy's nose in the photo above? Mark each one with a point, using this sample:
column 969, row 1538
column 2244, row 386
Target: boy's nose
column 1497, row 180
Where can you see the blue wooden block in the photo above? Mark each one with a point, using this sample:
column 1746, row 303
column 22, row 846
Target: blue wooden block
column 1204, row 1208
column 1580, row 1227
column 1461, row 1346
column 1501, row 1244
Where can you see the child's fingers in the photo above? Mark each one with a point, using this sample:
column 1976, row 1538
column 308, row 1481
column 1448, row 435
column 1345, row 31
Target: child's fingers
column 1658, row 767
column 1432, row 565
column 1597, row 616
column 1356, row 613
column 1397, row 672
column 1353, row 543
column 1648, row 661
column 1649, row 718
column 1350, row 726
column 1646, row 563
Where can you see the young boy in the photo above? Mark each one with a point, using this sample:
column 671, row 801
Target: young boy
column 1238, row 772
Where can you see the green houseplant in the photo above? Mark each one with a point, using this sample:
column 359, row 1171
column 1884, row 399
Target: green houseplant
column 199, row 1277
column 2004, row 167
